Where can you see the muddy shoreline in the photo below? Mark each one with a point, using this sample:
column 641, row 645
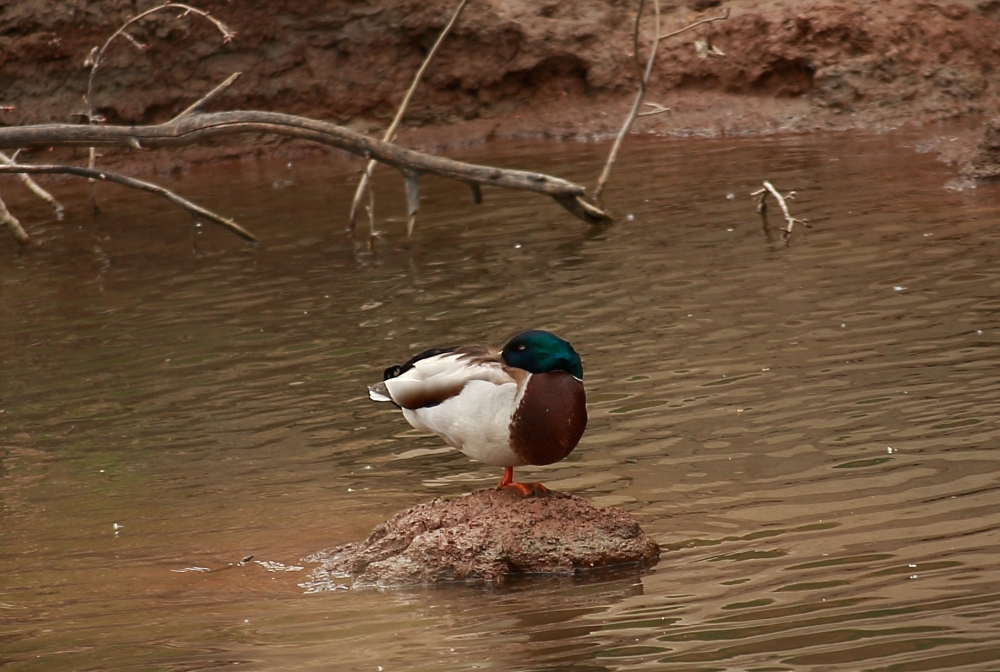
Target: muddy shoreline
column 510, row 69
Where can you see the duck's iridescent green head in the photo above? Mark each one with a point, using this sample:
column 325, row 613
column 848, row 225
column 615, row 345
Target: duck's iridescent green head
column 541, row 352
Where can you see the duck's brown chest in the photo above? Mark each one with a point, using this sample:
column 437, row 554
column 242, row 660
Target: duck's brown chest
column 550, row 419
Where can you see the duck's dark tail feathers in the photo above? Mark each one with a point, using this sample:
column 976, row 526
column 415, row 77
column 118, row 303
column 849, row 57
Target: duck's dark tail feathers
column 379, row 392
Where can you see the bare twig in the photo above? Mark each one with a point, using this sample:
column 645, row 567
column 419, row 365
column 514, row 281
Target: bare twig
column 643, row 85
column 657, row 109
column 94, row 60
column 10, row 223
column 370, row 208
column 390, row 133
column 189, row 129
column 702, row 22
column 790, row 221
column 106, row 176
column 92, row 161
column 412, row 199
column 37, row 190
column 200, row 104
column 96, row 54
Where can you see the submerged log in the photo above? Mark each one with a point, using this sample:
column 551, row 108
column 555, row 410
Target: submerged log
column 488, row 536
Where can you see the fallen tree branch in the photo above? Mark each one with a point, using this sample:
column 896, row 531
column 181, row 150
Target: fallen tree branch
column 33, row 186
column 790, row 221
column 191, row 128
column 107, row 176
column 390, row 133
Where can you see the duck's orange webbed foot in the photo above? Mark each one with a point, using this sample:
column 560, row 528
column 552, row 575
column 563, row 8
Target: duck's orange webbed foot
column 525, row 489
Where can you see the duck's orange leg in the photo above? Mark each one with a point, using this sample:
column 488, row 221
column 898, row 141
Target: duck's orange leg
column 526, row 489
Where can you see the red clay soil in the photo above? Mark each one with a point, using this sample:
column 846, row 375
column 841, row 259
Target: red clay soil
column 489, row 536
column 556, row 68
column 513, row 67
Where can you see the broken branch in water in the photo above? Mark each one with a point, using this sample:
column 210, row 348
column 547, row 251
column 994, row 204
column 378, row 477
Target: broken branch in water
column 790, row 221
column 191, row 128
column 106, row 176
column 390, row 133
column 33, row 186
column 644, row 75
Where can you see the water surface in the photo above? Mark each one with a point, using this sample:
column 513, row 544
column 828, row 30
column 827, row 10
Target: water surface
column 808, row 430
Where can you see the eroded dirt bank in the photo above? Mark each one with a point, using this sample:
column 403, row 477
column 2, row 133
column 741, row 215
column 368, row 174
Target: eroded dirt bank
column 514, row 67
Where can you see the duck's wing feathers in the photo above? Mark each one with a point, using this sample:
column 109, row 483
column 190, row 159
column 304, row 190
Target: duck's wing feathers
column 434, row 376
column 399, row 369
column 379, row 392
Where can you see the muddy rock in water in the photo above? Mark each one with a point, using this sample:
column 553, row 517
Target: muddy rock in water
column 486, row 537
column 985, row 164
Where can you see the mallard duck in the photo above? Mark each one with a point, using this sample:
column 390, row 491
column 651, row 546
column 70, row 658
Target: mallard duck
column 524, row 404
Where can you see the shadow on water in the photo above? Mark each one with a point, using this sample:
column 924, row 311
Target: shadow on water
column 809, row 431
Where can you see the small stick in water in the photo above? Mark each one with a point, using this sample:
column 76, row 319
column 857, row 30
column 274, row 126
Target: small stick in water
column 790, row 221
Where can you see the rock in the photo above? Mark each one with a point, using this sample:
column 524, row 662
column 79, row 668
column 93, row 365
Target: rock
column 487, row 537
column 985, row 164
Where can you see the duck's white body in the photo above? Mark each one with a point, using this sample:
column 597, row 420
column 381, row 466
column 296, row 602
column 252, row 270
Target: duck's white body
column 474, row 398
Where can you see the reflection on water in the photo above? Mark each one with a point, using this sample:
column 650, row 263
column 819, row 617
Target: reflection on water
column 809, row 431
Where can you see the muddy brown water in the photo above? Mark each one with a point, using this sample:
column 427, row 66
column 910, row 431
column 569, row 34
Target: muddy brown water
column 809, row 431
